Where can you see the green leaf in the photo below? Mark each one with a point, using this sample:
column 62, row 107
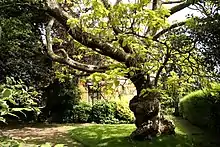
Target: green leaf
column 10, row 100
column 124, row 43
column 116, row 82
column 9, row 80
column 60, row 1
column 21, row 145
column 46, row 145
column 131, row 73
column 3, row 105
column 2, row 119
column 36, row 109
column 20, row 110
column 7, row 92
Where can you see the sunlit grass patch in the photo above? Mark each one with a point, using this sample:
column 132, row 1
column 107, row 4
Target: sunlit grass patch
column 118, row 136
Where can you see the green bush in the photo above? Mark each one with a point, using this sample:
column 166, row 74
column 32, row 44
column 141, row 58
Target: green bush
column 60, row 98
column 123, row 113
column 111, row 112
column 104, row 112
column 81, row 112
column 202, row 108
column 18, row 101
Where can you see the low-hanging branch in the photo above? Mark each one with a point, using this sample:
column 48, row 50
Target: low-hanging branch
column 85, row 38
column 65, row 59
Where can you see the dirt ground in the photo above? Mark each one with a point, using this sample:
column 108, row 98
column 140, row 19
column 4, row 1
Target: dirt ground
column 42, row 133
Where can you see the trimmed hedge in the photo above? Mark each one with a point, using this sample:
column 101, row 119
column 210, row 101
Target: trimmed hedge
column 202, row 108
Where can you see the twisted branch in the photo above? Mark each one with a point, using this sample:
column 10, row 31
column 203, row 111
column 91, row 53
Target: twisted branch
column 65, row 59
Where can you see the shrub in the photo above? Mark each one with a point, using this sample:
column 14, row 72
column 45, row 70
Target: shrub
column 107, row 112
column 104, row 112
column 81, row 112
column 60, row 98
column 111, row 112
column 123, row 113
column 202, row 108
column 18, row 101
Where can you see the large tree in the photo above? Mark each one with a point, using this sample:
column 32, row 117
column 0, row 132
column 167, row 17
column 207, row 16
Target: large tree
column 130, row 36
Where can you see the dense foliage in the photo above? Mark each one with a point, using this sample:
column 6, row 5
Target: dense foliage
column 202, row 108
column 60, row 98
column 105, row 112
column 17, row 99
column 21, row 47
column 81, row 113
column 111, row 112
column 205, row 31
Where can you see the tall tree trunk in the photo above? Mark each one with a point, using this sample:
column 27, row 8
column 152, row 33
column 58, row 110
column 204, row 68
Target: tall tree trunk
column 146, row 109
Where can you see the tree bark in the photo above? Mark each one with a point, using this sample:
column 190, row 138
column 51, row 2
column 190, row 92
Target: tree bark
column 146, row 108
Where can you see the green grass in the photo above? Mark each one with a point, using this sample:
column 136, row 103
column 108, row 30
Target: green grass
column 118, row 136
column 97, row 135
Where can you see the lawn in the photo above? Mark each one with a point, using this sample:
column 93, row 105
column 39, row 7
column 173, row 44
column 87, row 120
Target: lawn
column 106, row 135
column 98, row 135
column 118, row 136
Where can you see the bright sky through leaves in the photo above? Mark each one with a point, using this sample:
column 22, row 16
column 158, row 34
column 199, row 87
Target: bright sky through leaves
column 179, row 16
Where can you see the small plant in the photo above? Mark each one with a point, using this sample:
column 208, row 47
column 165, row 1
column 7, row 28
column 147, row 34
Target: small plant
column 15, row 97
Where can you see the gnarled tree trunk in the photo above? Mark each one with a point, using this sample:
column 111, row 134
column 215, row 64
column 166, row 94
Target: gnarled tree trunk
column 146, row 109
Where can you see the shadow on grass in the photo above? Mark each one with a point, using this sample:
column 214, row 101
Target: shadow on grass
column 42, row 133
column 56, row 138
column 117, row 136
